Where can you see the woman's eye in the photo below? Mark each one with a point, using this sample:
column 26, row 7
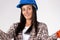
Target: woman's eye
column 29, row 8
column 23, row 9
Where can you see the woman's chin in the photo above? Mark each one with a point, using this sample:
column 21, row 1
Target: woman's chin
column 27, row 18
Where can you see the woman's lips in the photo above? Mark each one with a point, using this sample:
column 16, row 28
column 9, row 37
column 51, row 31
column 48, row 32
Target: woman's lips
column 27, row 14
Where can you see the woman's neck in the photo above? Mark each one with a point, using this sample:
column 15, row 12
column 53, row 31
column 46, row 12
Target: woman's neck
column 28, row 23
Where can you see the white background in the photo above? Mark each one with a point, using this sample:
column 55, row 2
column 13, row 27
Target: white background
column 48, row 12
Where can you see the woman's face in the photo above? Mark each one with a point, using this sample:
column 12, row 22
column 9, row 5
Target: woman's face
column 27, row 11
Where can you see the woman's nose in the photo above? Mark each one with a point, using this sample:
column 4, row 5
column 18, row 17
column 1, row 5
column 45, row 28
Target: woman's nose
column 26, row 10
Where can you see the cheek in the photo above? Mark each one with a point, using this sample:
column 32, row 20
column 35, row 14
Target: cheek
column 23, row 13
column 30, row 12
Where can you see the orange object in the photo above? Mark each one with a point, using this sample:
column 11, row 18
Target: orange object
column 58, row 34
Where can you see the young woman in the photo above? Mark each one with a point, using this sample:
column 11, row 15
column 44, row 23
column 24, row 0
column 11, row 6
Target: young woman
column 28, row 28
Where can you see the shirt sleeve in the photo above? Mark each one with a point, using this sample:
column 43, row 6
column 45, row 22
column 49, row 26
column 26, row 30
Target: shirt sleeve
column 9, row 35
column 43, row 33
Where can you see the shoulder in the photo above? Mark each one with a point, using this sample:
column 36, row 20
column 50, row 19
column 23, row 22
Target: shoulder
column 42, row 25
column 14, row 25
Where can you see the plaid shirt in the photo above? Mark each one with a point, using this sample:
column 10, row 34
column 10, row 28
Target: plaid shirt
column 41, row 35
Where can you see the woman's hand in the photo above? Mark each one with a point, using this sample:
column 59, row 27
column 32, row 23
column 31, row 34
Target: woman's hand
column 58, row 34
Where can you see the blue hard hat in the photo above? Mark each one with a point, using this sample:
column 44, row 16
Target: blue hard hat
column 24, row 2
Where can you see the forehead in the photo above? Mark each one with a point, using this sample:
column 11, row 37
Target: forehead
column 24, row 6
